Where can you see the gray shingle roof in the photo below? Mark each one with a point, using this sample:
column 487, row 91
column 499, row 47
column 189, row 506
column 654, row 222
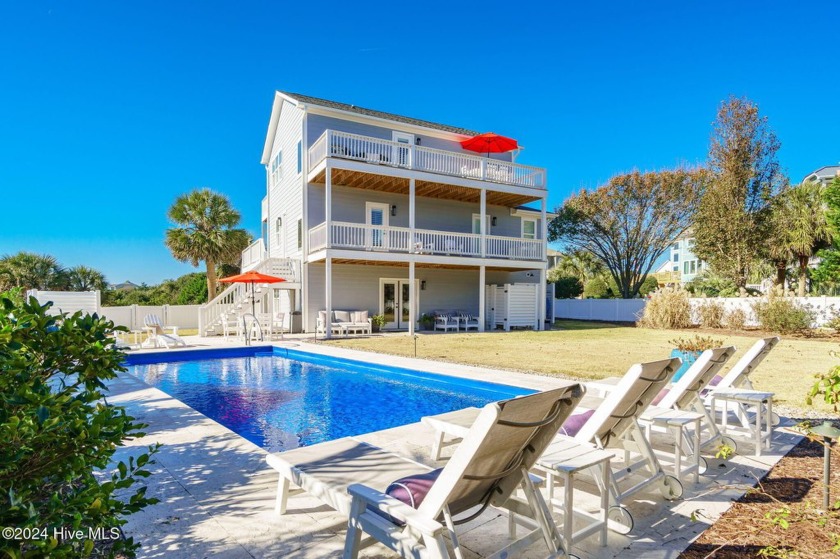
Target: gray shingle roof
column 378, row 114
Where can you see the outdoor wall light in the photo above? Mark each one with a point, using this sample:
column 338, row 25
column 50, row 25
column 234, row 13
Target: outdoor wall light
column 416, row 141
column 393, row 211
column 493, row 221
column 422, row 285
column 279, row 223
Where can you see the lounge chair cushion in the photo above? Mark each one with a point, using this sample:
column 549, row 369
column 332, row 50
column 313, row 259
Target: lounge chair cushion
column 360, row 317
column 575, row 422
column 716, row 380
column 659, row 397
column 342, row 316
column 411, row 490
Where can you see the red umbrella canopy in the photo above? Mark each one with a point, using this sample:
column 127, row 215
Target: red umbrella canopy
column 490, row 143
column 252, row 277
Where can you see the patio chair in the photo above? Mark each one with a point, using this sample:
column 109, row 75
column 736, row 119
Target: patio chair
column 445, row 321
column 231, row 324
column 157, row 333
column 608, row 423
column 409, row 507
column 466, row 320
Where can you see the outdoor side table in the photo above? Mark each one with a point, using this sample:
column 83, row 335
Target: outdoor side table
column 565, row 458
column 760, row 430
column 677, row 422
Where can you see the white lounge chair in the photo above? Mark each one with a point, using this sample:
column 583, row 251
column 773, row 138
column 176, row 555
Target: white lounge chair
column 611, row 422
column 753, row 409
column 494, row 459
column 157, row 333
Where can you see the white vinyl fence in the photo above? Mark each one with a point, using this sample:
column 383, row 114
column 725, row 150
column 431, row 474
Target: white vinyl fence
column 630, row 310
column 182, row 316
column 68, row 301
column 605, row 310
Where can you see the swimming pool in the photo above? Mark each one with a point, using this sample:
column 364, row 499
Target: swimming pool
column 282, row 398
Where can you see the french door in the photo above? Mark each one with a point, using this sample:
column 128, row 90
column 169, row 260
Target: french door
column 395, row 302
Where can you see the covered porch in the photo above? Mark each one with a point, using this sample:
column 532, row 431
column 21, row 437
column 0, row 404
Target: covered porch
column 404, row 291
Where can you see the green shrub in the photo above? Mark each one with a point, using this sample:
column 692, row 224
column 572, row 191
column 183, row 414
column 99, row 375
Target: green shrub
column 710, row 314
column 735, row 319
column 596, row 288
column 648, row 286
column 696, row 344
column 667, row 308
column 782, row 315
column 567, row 287
column 58, row 433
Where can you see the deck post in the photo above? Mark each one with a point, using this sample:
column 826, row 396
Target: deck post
column 412, row 247
column 412, row 294
column 481, row 295
column 328, row 299
column 328, row 204
column 541, row 293
column 482, row 229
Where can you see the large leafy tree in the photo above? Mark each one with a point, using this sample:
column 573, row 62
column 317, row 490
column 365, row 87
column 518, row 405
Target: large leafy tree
column 733, row 216
column 630, row 221
column 828, row 271
column 28, row 270
column 84, row 278
column 205, row 232
column 799, row 227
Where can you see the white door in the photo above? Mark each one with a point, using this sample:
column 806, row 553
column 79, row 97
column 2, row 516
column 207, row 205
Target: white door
column 395, row 301
column 376, row 220
column 402, row 157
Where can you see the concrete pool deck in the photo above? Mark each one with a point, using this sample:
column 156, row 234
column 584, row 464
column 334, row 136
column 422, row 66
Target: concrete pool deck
column 217, row 492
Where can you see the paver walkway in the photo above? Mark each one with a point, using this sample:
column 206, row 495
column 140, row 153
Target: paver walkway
column 217, row 493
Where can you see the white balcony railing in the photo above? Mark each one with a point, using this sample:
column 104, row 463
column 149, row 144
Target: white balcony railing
column 357, row 236
column 452, row 163
column 253, row 255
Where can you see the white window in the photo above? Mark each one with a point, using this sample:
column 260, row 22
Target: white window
column 277, row 168
column 529, row 228
column 476, row 224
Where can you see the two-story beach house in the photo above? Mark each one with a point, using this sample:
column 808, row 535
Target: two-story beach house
column 367, row 210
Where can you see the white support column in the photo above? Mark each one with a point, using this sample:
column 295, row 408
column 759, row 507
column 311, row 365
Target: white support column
column 328, row 297
column 483, row 226
column 541, row 304
column 412, row 296
column 411, row 212
column 481, row 296
column 328, row 204
column 544, row 227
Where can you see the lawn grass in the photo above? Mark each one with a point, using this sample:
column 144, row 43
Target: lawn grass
column 589, row 350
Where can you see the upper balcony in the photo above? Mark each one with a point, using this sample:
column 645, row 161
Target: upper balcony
column 343, row 145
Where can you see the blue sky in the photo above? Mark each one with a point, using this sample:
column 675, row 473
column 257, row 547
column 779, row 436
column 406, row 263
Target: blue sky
column 109, row 110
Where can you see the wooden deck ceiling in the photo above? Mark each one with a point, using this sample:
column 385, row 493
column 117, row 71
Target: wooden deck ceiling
column 419, row 265
column 426, row 189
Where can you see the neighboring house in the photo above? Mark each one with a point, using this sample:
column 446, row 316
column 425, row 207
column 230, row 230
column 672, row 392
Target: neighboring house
column 366, row 210
column 683, row 260
column 824, row 174
column 667, row 275
column 553, row 256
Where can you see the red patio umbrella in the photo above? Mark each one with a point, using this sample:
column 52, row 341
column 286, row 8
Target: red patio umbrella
column 490, row 142
column 252, row 277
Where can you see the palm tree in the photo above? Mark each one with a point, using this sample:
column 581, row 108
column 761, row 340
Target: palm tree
column 83, row 278
column 580, row 264
column 800, row 227
column 31, row 271
column 206, row 232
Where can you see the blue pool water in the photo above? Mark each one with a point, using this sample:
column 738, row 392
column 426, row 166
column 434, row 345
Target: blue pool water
column 281, row 399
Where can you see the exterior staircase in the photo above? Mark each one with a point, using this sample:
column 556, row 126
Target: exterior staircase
column 236, row 297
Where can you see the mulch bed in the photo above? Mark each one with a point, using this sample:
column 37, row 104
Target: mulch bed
column 795, row 482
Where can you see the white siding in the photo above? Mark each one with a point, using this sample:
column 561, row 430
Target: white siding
column 348, row 204
column 285, row 199
column 68, row 301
